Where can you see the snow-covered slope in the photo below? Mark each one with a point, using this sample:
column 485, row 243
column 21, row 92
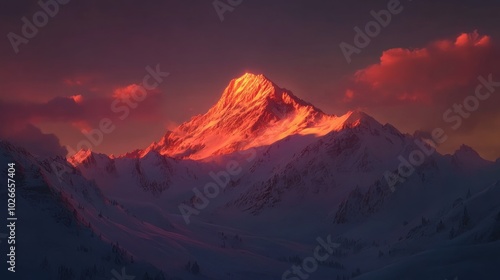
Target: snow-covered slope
column 57, row 236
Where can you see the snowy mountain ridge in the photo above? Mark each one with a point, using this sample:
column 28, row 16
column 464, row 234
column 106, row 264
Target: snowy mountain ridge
column 252, row 111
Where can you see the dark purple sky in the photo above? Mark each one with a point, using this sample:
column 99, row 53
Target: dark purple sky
column 95, row 48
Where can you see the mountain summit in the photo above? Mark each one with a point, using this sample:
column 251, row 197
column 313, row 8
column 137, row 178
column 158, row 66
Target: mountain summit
column 252, row 90
column 252, row 111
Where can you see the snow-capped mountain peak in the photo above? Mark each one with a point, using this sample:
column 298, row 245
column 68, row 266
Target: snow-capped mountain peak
column 253, row 91
column 80, row 156
column 252, row 111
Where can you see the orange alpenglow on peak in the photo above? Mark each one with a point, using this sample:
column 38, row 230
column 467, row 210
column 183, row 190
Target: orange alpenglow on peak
column 80, row 156
column 252, row 111
column 248, row 88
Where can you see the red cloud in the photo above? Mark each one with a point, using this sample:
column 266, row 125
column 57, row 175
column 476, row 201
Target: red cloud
column 424, row 75
column 127, row 91
column 85, row 114
column 79, row 110
column 77, row 98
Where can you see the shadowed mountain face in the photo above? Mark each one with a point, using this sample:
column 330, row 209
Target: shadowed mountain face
column 249, row 189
